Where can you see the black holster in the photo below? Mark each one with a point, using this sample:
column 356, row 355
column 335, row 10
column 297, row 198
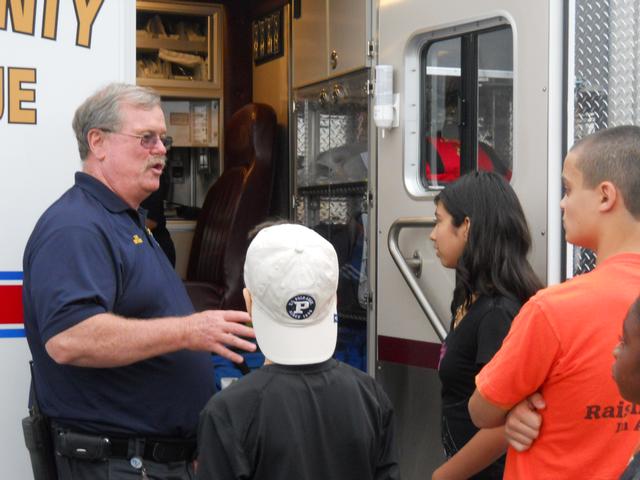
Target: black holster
column 37, row 438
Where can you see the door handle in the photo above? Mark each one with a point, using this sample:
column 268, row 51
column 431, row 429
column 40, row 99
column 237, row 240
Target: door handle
column 338, row 93
column 323, row 97
column 411, row 268
column 334, row 59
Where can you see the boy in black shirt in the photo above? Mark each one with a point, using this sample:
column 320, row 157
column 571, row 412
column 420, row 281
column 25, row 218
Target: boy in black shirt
column 303, row 415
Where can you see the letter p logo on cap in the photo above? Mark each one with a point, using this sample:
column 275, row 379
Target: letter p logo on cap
column 301, row 307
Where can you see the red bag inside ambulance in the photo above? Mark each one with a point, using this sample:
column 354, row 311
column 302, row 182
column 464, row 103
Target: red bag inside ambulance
column 448, row 160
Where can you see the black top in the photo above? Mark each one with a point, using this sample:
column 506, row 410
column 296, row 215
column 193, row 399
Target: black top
column 472, row 344
column 632, row 472
column 89, row 254
column 314, row 422
column 465, row 351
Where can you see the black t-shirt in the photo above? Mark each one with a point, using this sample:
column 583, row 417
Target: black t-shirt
column 466, row 350
column 472, row 344
column 314, row 422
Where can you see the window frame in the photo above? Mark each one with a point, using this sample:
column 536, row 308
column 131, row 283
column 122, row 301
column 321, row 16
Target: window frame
column 414, row 114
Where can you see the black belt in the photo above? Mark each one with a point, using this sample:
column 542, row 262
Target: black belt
column 161, row 451
column 94, row 447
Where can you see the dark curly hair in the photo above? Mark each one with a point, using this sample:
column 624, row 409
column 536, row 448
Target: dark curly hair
column 494, row 259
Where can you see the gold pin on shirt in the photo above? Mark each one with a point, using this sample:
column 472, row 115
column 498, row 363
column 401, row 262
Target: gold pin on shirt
column 137, row 240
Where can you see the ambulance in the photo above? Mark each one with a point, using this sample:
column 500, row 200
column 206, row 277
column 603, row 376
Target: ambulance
column 379, row 104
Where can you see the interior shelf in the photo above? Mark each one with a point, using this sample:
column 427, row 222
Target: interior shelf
column 153, row 44
column 191, row 34
column 348, row 188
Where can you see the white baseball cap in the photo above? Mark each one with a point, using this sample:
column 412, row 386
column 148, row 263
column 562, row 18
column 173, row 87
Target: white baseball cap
column 292, row 275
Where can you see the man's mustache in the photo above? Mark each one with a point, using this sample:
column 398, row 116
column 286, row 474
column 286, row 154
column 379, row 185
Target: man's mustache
column 154, row 160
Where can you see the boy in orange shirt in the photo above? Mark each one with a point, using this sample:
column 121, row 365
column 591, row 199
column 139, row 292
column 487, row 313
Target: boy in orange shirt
column 523, row 423
column 559, row 344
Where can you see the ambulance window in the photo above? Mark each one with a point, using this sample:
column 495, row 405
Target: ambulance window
column 467, row 98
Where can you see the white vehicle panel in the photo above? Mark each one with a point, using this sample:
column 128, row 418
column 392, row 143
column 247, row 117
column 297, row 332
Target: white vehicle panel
column 38, row 162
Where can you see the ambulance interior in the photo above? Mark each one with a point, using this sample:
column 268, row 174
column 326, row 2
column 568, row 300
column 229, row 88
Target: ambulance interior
column 208, row 60
column 313, row 65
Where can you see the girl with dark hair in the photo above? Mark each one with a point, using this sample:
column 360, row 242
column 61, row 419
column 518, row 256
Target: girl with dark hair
column 480, row 231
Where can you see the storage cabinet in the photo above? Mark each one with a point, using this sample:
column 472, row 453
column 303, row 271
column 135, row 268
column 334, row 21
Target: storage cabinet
column 347, row 36
column 330, row 39
column 332, row 171
column 331, row 161
column 179, row 54
column 193, row 123
column 179, row 48
column 309, row 44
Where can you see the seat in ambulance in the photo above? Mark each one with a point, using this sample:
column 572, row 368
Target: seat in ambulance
column 237, row 202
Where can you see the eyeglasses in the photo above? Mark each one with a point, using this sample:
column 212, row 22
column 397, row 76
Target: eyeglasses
column 148, row 140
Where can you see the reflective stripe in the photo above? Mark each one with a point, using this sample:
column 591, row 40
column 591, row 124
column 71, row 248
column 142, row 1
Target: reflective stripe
column 12, row 333
column 10, row 275
column 11, row 304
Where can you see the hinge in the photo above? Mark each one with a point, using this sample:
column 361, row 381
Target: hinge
column 368, row 87
column 370, row 200
column 371, row 49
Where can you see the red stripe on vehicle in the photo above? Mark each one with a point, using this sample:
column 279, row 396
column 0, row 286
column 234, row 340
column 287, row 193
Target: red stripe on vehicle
column 408, row 352
column 11, row 304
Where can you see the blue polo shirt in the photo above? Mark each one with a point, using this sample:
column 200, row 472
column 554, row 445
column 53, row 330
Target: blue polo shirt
column 90, row 253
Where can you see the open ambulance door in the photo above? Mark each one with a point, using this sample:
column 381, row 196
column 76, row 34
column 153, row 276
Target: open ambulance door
column 480, row 87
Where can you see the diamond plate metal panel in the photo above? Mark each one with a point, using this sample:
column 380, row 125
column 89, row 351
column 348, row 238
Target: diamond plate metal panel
column 347, row 127
column 607, row 65
column 301, row 210
column 301, row 135
column 333, row 131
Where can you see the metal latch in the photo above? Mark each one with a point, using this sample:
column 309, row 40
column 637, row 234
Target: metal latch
column 368, row 88
column 415, row 264
column 371, row 49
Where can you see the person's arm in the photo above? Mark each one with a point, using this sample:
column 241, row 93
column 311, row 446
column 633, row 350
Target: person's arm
column 510, row 377
column 485, row 414
column 524, row 422
column 213, row 461
column 484, row 448
column 492, row 330
column 107, row 340
column 387, row 467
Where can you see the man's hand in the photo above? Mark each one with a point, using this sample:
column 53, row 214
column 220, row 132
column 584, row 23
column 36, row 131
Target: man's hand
column 524, row 422
column 215, row 330
column 106, row 340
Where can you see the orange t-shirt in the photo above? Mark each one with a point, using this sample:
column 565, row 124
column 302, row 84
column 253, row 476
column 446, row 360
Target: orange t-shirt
column 561, row 344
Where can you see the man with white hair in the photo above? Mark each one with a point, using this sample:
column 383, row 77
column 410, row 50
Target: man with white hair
column 121, row 361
